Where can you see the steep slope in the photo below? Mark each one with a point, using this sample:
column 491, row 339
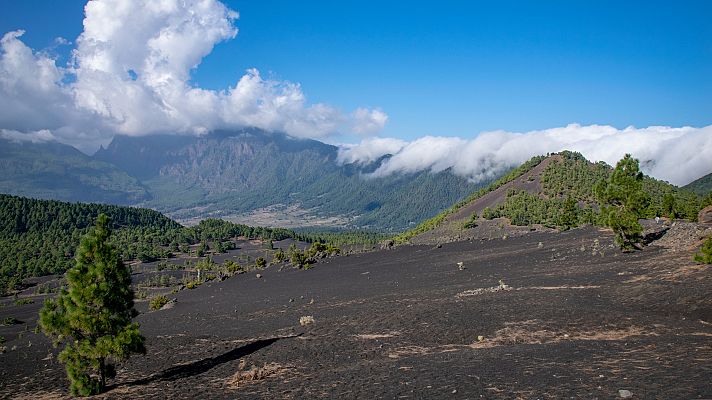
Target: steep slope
column 227, row 174
column 53, row 170
column 701, row 186
column 552, row 192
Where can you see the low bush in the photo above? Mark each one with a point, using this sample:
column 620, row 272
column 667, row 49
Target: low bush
column 158, row 302
column 7, row 321
column 705, row 254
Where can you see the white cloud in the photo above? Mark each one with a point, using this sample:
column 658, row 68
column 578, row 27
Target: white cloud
column 34, row 137
column 677, row 155
column 130, row 74
column 369, row 150
column 367, row 122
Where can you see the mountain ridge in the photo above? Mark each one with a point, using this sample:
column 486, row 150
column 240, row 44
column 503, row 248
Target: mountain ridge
column 230, row 174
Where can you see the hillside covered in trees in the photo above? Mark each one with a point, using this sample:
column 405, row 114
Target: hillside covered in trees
column 558, row 191
column 701, row 186
column 39, row 237
column 567, row 196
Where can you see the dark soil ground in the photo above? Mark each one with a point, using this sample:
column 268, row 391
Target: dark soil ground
column 542, row 315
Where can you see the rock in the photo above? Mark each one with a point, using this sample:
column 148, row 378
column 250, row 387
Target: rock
column 705, row 216
column 624, row 394
column 461, row 266
column 258, row 276
column 387, row 245
column 480, row 338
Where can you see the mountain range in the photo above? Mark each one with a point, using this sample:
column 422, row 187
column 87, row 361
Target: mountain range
column 246, row 176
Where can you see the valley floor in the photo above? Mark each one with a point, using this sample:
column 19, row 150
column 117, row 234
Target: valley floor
column 543, row 315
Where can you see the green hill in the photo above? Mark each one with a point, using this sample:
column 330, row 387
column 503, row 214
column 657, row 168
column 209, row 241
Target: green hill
column 701, row 186
column 53, row 170
column 555, row 191
column 39, row 237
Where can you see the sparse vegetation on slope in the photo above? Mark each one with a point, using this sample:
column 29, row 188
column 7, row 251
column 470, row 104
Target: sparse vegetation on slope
column 438, row 219
column 567, row 197
column 39, row 237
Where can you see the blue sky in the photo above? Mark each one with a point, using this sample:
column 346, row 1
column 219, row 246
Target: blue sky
column 458, row 68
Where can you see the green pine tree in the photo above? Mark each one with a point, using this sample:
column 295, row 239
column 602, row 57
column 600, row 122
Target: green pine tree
column 623, row 201
column 569, row 215
column 705, row 254
column 92, row 316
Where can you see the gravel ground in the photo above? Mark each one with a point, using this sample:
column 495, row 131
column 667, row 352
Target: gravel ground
column 543, row 315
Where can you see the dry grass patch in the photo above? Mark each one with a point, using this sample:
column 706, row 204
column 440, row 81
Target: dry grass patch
column 560, row 287
column 523, row 332
column 255, row 374
column 375, row 336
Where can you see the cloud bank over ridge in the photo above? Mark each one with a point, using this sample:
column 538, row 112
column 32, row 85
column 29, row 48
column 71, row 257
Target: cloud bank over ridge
column 677, row 155
column 130, row 74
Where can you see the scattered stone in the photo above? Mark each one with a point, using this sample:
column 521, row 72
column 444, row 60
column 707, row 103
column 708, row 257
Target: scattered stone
column 624, row 394
column 480, row 338
column 291, row 300
column 540, row 245
column 705, row 216
column 258, row 276
column 461, row 266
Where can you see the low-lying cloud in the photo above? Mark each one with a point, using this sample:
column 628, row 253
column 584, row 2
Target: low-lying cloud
column 130, row 74
column 677, row 155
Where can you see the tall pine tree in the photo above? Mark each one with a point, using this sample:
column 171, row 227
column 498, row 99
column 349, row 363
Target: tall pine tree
column 623, row 201
column 92, row 316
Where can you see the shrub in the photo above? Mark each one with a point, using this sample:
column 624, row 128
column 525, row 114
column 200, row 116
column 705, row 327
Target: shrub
column 7, row 321
column 158, row 302
column 705, row 254
column 232, row 267
column 193, row 284
column 260, row 263
column 20, row 302
column 279, row 255
column 471, row 223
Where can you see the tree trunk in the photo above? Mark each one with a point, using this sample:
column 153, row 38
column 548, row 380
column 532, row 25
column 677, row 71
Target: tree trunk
column 102, row 374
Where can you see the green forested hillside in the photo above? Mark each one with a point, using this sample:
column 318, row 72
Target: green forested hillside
column 701, row 186
column 39, row 237
column 56, row 171
column 567, row 197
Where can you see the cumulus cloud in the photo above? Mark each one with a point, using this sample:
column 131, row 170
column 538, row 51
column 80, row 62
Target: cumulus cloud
column 677, row 155
column 41, row 136
column 130, row 74
column 367, row 122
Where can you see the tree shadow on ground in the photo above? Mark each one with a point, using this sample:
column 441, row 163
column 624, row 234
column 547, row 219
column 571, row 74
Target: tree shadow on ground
column 204, row 365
